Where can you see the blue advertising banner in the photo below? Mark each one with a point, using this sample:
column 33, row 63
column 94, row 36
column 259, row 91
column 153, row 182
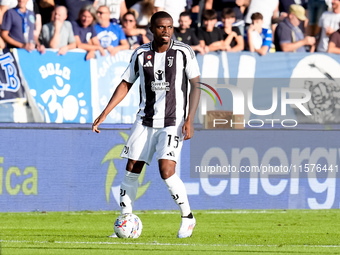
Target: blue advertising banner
column 69, row 89
column 71, row 169
column 254, row 169
column 61, row 85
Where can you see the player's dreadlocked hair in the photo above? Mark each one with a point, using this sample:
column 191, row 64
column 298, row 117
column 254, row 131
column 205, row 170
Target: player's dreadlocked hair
column 159, row 15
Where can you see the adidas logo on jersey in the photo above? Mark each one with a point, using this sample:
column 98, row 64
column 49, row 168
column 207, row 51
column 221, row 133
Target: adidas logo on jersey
column 148, row 64
column 171, row 154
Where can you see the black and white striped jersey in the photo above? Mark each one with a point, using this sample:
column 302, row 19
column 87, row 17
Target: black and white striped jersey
column 164, row 86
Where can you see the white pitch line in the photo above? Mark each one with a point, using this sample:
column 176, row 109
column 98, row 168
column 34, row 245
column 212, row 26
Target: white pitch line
column 224, row 212
column 170, row 244
column 242, row 212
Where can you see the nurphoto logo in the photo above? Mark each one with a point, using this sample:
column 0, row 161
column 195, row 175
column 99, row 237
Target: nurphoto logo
column 295, row 97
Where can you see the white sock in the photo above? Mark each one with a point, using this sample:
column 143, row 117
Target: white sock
column 178, row 193
column 128, row 191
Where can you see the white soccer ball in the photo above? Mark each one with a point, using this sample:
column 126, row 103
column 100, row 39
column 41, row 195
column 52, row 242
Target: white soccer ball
column 128, row 225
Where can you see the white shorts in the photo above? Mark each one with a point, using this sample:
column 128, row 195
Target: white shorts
column 145, row 141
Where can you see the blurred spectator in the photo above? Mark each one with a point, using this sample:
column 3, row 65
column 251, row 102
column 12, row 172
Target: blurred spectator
column 18, row 28
column 334, row 43
column 233, row 40
column 31, row 5
column 58, row 34
column 259, row 39
column 73, row 7
column 143, row 11
column 174, row 8
column 135, row 36
column 111, row 36
column 85, row 33
column 315, row 9
column 238, row 6
column 186, row 34
column 284, row 10
column 117, row 8
column 268, row 8
column 46, row 8
column 288, row 35
column 9, row 4
column 210, row 37
column 328, row 24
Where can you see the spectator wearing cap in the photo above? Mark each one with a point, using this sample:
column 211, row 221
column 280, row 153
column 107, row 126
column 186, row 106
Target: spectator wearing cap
column 259, row 39
column 328, row 24
column 288, row 36
column 284, row 10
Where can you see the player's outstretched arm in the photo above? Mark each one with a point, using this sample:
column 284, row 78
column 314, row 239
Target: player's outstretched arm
column 194, row 98
column 119, row 94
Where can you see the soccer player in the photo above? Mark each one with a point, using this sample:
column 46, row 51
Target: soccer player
column 166, row 113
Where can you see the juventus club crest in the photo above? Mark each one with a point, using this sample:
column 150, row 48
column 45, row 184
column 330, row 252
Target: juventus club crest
column 170, row 61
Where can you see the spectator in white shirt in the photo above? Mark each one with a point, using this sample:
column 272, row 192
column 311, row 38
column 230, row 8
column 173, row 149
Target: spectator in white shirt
column 328, row 24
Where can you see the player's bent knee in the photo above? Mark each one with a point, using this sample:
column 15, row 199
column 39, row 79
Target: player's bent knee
column 166, row 168
column 134, row 166
column 166, row 175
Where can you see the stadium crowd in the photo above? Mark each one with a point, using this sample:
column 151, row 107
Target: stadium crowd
column 260, row 26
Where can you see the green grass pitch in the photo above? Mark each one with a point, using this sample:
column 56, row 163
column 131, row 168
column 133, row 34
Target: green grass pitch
column 216, row 232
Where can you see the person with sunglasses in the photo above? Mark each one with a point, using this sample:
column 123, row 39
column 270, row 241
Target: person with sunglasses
column 111, row 36
column 135, row 36
column 117, row 8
